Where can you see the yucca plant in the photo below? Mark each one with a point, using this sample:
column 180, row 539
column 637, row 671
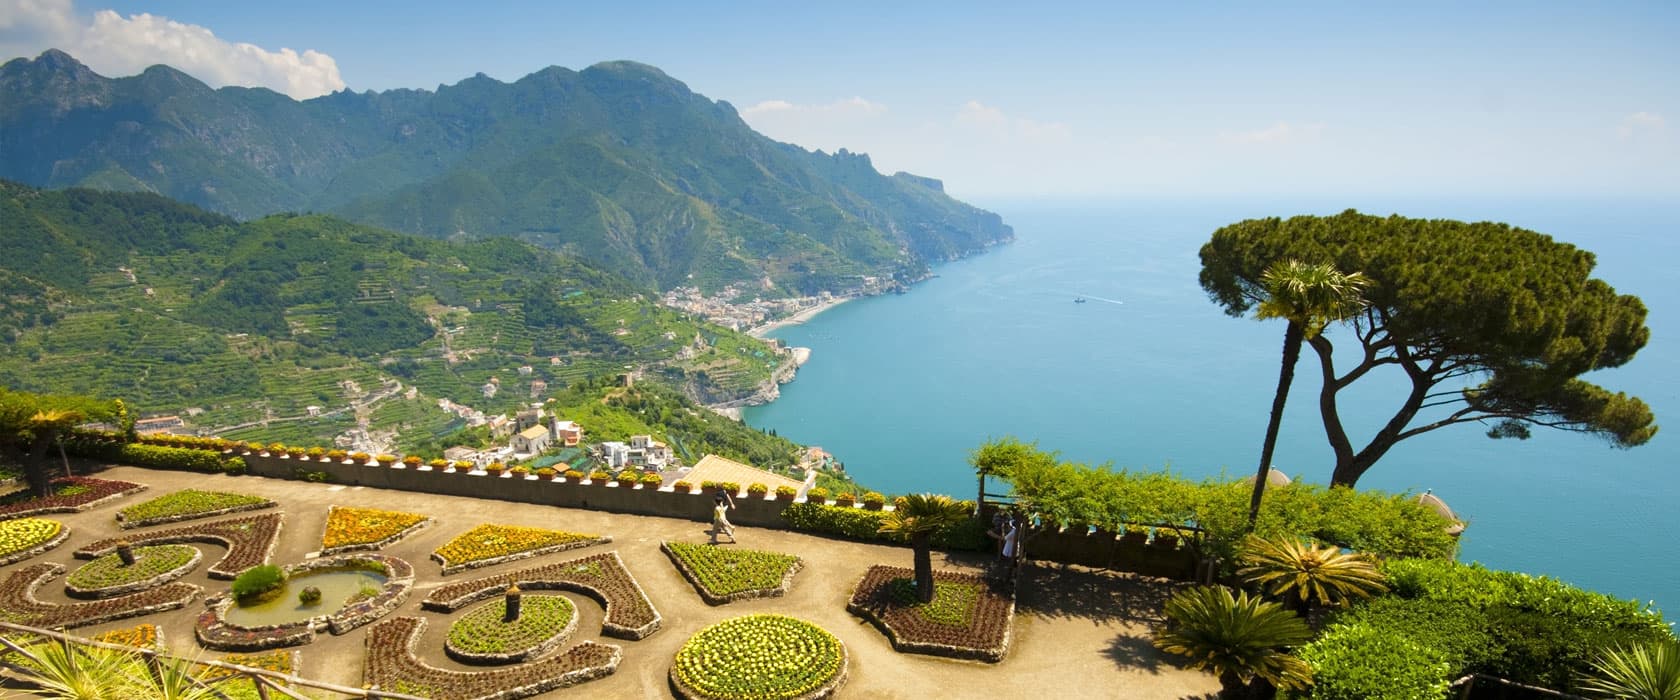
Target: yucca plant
column 74, row 672
column 1237, row 637
column 1642, row 672
column 922, row 515
column 1307, row 574
column 173, row 679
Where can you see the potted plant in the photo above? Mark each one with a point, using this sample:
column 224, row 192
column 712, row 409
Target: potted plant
column 628, row 477
column 682, row 487
column 520, row 471
column 412, row 462
column 298, row 453
column 874, row 500
column 730, row 488
column 1165, row 538
column 360, row 458
column 786, row 493
column 337, row 455
column 845, row 499
column 574, row 476
column 758, row 490
column 652, row 480
column 386, row 460
column 438, row 464
column 315, row 454
column 276, row 449
column 1133, row 534
column 546, row 473
column 600, row 477
column 494, row 468
column 254, row 447
column 462, row 465
column 818, row 495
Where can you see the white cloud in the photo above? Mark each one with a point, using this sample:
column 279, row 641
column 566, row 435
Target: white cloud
column 1279, row 133
column 981, row 117
column 1640, row 123
column 853, row 106
column 111, row 44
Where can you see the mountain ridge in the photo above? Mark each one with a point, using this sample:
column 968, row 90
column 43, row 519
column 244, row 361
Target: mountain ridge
column 618, row 163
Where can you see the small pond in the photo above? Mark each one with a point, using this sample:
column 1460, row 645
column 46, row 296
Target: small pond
column 336, row 588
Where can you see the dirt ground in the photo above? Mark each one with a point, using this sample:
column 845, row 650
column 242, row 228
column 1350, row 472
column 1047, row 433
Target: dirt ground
column 1078, row 633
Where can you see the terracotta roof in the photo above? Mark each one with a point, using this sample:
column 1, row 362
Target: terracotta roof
column 715, row 468
column 533, row 432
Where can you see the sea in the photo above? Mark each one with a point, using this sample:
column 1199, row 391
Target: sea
column 1148, row 373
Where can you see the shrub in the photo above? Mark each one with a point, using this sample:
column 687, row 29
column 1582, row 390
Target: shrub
column 546, row 472
column 157, row 457
column 276, row 448
column 337, row 455
column 310, row 595
column 682, row 487
column 520, row 470
column 859, row 524
column 731, row 487
column 874, row 499
column 758, row 490
column 786, row 492
column 257, row 581
column 317, row 477
column 233, row 465
column 574, row 475
column 599, row 476
column 1359, row 662
column 845, row 499
column 629, row 476
column 315, row 453
column 652, row 480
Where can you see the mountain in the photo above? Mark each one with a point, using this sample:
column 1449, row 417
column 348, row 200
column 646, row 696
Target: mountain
column 618, row 164
column 247, row 325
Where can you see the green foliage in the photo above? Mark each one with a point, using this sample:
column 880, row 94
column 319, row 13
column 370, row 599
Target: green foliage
column 188, row 502
column 612, row 412
column 1646, row 672
column 1237, row 637
column 1308, row 574
column 310, row 595
column 865, row 525
column 758, row 657
column 486, row 630
column 723, row 572
column 108, row 570
column 257, row 581
column 1361, row 662
column 953, row 601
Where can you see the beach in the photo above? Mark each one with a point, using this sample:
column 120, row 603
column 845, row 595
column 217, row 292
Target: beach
column 801, row 316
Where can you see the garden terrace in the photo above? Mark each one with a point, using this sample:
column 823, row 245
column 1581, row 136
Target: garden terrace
column 391, row 665
column 630, row 615
column 71, row 494
column 724, row 575
column 488, row 545
column 350, row 529
column 18, row 603
column 189, row 504
column 23, row 538
column 760, row 657
column 108, row 576
column 969, row 617
column 250, row 540
column 215, row 632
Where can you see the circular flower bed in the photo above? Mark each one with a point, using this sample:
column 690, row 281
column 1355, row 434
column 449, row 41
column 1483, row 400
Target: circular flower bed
column 484, row 636
column 109, row 576
column 27, row 537
column 768, row 657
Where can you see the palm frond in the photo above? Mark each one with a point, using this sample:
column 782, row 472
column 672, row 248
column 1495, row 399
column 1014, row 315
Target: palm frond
column 1289, row 568
column 1238, row 634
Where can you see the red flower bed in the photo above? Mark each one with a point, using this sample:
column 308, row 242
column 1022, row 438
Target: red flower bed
column 391, row 665
column 630, row 615
column 249, row 541
column 18, row 603
column 71, row 494
column 983, row 635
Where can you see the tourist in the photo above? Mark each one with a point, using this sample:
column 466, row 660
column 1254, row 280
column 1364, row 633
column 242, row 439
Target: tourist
column 721, row 503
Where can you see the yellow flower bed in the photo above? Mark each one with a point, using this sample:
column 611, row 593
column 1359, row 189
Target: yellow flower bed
column 142, row 637
column 494, row 541
column 26, row 533
column 351, row 527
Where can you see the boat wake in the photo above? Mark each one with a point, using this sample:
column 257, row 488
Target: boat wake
column 1108, row 301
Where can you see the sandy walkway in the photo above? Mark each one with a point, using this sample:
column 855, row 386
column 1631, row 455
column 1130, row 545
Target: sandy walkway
column 1078, row 634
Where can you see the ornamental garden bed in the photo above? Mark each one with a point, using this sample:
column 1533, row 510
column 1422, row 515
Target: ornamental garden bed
column 214, row 631
column 484, row 635
column 759, row 657
column 488, row 545
column 23, row 538
column 630, row 615
column 189, row 504
column 390, row 664
column 143, row 636
column 249, row 540
column 71, row 494
column 351, row 529
column 19, row 605
column 108, row 576
column 725, row 575
column 237, row 687
column 969, row 617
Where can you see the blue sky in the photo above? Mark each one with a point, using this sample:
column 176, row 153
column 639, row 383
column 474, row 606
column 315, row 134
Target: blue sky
column 1011, row 100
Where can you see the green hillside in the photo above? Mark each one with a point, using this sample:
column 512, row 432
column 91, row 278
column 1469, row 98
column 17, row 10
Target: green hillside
column 618, row 164
column 177, row 309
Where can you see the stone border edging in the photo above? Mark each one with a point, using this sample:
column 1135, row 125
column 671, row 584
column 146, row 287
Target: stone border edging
column 826, row 690
column 377, row 667
column 17, row 593
column 516, row 556
column 216, row 633
column 183, row 517
column 536, row 650
column 201, row 533
column 902, row 643
column 369, row 546
column 75, row 591
column 50, row 544
column 713, row 599
column 79, row 507
column 541, row 578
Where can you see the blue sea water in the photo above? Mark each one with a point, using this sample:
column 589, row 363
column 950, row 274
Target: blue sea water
column 1150, row 374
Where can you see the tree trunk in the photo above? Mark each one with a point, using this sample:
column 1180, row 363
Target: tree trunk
column 1231, row 686
column 40, row 482
column 922, row 543
column 1286, row 376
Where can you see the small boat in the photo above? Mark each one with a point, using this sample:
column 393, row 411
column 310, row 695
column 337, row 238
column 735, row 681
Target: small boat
column 1079, row 300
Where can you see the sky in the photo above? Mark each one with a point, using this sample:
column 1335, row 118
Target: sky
column 1022, row 100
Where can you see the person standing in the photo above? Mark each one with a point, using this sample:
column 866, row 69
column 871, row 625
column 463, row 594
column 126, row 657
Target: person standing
column 721, row 503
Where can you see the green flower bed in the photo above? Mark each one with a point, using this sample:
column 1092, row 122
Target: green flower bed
column 149, row 562
column 25, row 534
column 544, row 620
column 953, row 601
column 722, row 573
column 759, row 657
column 183, row 505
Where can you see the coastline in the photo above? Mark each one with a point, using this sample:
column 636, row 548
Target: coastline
column 802, row 316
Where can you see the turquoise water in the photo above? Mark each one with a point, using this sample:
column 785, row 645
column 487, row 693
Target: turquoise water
column 1149, row 374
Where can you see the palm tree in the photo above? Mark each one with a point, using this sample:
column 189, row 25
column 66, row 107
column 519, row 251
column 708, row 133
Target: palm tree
column 45, row 425
column 1309, row 297
column 1293, row 570
column 1648, row 672
column 917, row 517
column 1239, row 638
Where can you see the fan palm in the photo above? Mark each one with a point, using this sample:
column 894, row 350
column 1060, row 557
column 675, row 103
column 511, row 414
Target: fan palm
column 1291, row 569
column 45, row 426
column 917, row 517
column 1648, row 672
column 1309, row 297
column 1237, row 637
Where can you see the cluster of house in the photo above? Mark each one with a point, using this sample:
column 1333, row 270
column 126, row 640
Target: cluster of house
column 534, row 431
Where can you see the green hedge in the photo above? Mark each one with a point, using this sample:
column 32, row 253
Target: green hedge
column 1528, row 629
column 1360, row 662
column 862, row 524
column 101, row 446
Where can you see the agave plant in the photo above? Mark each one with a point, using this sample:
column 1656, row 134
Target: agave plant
column 1646, row 672
column 1237, row 637
column 1308, row 574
